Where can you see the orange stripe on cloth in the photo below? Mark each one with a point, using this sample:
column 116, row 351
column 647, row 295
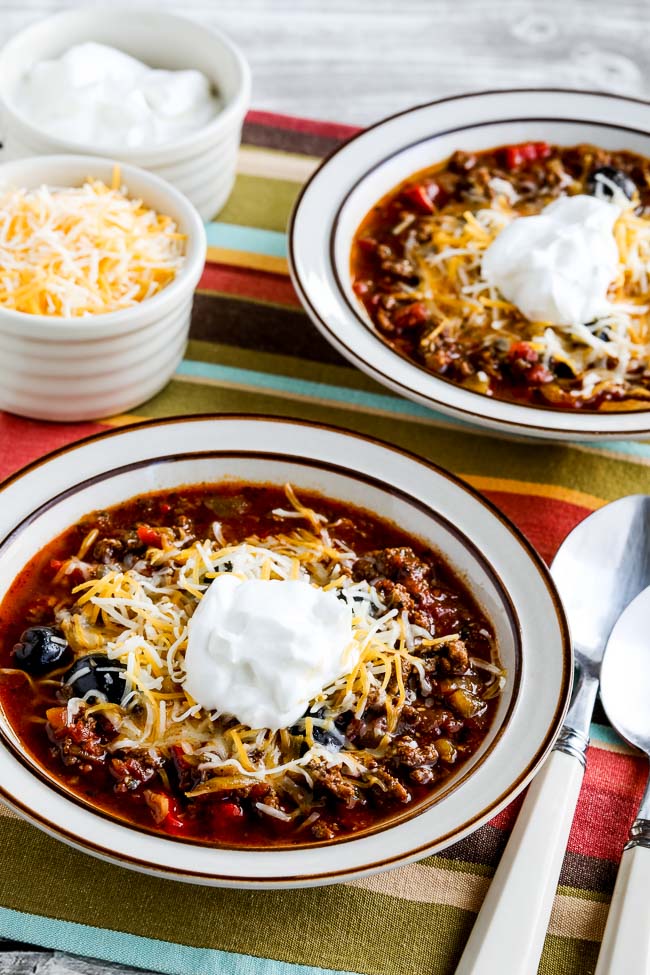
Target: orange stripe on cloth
column 262, row 286
column 554, row 491
column 257, row 262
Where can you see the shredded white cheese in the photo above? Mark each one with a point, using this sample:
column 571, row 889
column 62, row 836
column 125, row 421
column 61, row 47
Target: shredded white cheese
column 84, row 250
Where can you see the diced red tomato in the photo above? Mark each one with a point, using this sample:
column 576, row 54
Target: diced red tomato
column 410, row 316
column 367, row 244
column 165, row 508
column 516, row 155
column 171, row 822
column 538, row 375
column 149, row 536
column 226, row 814
column 259, row 790
column 522, row 351
column 424, row 196
column 524, row 361
column 55, row 564
column 164, row 809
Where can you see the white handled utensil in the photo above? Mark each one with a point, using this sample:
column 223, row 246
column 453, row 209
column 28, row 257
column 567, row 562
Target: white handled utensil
column 600, row 567
column 625, row 692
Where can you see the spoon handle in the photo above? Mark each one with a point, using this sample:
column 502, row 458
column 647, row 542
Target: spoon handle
column 508, row 935
column 626, row 943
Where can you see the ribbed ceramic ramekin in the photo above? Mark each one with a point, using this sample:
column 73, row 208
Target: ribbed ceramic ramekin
column 72, row 369
column 202, row 163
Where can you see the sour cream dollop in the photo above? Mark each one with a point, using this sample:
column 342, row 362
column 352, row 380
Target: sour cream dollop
column 556, row 266
column 98, row 95
column 261, row 650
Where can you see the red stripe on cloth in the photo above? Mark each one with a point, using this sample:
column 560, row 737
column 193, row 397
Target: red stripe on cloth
column 506, row 818
column 257, row 285
column 611, row 792
column 544, row 521
column 22, row 441
column 334, row 130
column 610, row 796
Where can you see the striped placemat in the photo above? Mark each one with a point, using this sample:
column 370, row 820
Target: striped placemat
column 253, row 350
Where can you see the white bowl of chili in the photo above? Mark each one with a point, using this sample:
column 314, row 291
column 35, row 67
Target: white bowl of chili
column 224, row 460
column 122, row 263
column 387, row 245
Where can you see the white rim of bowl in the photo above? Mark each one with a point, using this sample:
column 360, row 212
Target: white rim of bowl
column 289, row 878
column 435, row 391
column 231, row 113
column 24, row 323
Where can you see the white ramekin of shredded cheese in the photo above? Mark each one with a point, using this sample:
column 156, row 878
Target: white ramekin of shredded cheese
column 180, row 134
column 98, row 266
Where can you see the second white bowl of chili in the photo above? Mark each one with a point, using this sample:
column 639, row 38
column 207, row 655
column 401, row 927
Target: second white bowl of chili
column 387, row 252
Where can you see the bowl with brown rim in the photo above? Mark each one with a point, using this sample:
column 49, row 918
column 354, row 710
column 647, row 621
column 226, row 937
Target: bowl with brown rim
column 353, row 180
column 497, row 565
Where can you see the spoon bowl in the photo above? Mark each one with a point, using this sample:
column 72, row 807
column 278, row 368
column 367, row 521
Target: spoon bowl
column 601, row 565
column 625, row 692
column 625, row 674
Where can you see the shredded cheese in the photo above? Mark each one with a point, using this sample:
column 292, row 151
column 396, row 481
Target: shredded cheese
column 84, row 250
column 140, row 616
column 599, row 354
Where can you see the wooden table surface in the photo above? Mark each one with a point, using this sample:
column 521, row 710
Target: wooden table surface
column 358, row 60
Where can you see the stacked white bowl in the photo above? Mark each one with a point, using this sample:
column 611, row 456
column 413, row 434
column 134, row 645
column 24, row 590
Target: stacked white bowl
column 201, row 164
column 73, row 369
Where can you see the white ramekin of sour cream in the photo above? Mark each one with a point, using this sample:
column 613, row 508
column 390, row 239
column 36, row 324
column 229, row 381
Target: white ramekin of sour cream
column 148, row 88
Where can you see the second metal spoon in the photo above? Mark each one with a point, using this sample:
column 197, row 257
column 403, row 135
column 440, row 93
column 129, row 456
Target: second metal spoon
column 601, row 565
column 625, row 693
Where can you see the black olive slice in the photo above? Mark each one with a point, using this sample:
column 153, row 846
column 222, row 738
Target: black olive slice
column 599, row 179
column 96, row 672
column 40, row 649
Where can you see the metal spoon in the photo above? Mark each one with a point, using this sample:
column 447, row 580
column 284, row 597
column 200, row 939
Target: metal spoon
column 601, row 565
column 625, row 692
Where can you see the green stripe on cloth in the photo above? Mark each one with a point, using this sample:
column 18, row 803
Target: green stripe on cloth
column 320, row 928
column 567, row 956
column 259, row 202
column 302, row 387
column 129, row 949
column 589, row 895
column 282, row 372
column 380, row 402
column 326, row 927
column 282, row 365
column 465, row 451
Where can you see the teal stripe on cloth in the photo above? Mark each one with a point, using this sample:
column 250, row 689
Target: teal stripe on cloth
column 251, row 239
column 358, row 397
column 600, row 732
column 308, row 388
column 147, row 953
column 630, row 447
